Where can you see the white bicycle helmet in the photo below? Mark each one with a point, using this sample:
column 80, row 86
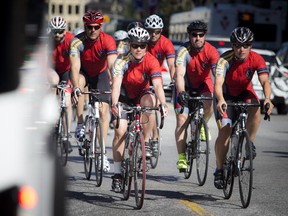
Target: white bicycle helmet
column 120, row 35
column 57, row 22
column 139, row 35
column 153, row 22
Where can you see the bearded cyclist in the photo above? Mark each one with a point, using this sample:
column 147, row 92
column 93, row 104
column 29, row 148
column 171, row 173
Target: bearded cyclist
column 194, row 62
column 60, row 70
column 162, row 48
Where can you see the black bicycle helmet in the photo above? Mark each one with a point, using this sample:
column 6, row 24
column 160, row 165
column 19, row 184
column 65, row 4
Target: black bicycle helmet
column 139, row 35
column 241, row 35
column 134, row 24
column 197, row 25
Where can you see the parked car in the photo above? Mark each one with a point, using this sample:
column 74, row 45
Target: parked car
column 279, row 85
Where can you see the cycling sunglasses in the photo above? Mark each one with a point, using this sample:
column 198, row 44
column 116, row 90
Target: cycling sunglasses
column 197, row 34
column 135, row 46
column 57, row 31
column 245, row 46
column 90, row 27
column 151, row 31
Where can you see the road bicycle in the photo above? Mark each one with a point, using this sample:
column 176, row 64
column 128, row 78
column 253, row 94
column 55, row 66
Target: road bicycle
column 92, row 147
column 197, row 147
column 61, row 135
column 133, row 165
column 239, row 160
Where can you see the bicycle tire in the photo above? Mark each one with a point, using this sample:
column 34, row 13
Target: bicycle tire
column 139, row 169
column 62, row 149
column 228, row 177
column 190, row 145
column 98, row 155
column 202, row 153
column 245, row 172
column 155, row 157
column 126, row 173
column 86, row 148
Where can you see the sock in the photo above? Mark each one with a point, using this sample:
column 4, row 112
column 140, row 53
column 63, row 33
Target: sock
column 117, row 167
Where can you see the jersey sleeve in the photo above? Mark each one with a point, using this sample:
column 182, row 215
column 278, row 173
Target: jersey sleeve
column 261, row 66
column 110, row 45
column 182, row 57
column 170, row 51
column 76, row 47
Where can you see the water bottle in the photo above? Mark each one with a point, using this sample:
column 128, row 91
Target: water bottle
column 193, row 129
column 225, row 120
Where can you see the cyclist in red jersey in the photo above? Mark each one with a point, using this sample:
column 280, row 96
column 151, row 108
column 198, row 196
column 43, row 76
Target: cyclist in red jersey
column 162, row 48
column 194, row 62
column 92, row 54
column 59, row 43
column 234, row 72
column 131, row 85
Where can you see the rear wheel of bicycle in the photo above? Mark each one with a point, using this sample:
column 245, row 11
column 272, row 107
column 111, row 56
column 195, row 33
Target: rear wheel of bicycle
column 127, row 178
column 62, row 148
column 86, row 148
column 202, row 153
column 228, row 178
column 156, row 151
column 139, row 169
column 99, row 153
column 245, row 169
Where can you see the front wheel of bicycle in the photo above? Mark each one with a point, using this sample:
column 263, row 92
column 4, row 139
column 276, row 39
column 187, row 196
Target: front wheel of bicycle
column 139, row 169
column 202, row 152
column 228, row 177
column 189, row 159
column 245, row 168
column 126, row 173
column 62, row 147
column 98, row 153
column 87, row 148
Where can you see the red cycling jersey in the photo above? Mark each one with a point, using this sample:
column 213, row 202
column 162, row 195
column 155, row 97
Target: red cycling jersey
column 163, row 49
column 238, row 75
column 198, row 64
column 136, row 76
column 60, row 54
column 93, row 54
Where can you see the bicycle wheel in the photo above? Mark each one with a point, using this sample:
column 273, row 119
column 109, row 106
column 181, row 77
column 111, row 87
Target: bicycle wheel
column 62, row 148
column 245, row 174
column 189, row 158
column 139, row 169
column 86, row 148
column 156, row 150
column 126, row 173
column 98, row 152
column 202, row 153
column 228, row 177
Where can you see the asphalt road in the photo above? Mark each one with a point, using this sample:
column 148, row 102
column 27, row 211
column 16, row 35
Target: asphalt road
column 168, row 193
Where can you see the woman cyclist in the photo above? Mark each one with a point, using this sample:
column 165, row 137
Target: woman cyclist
column 131, row 76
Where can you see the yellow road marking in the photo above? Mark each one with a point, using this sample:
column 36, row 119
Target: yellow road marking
column 196, row 208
